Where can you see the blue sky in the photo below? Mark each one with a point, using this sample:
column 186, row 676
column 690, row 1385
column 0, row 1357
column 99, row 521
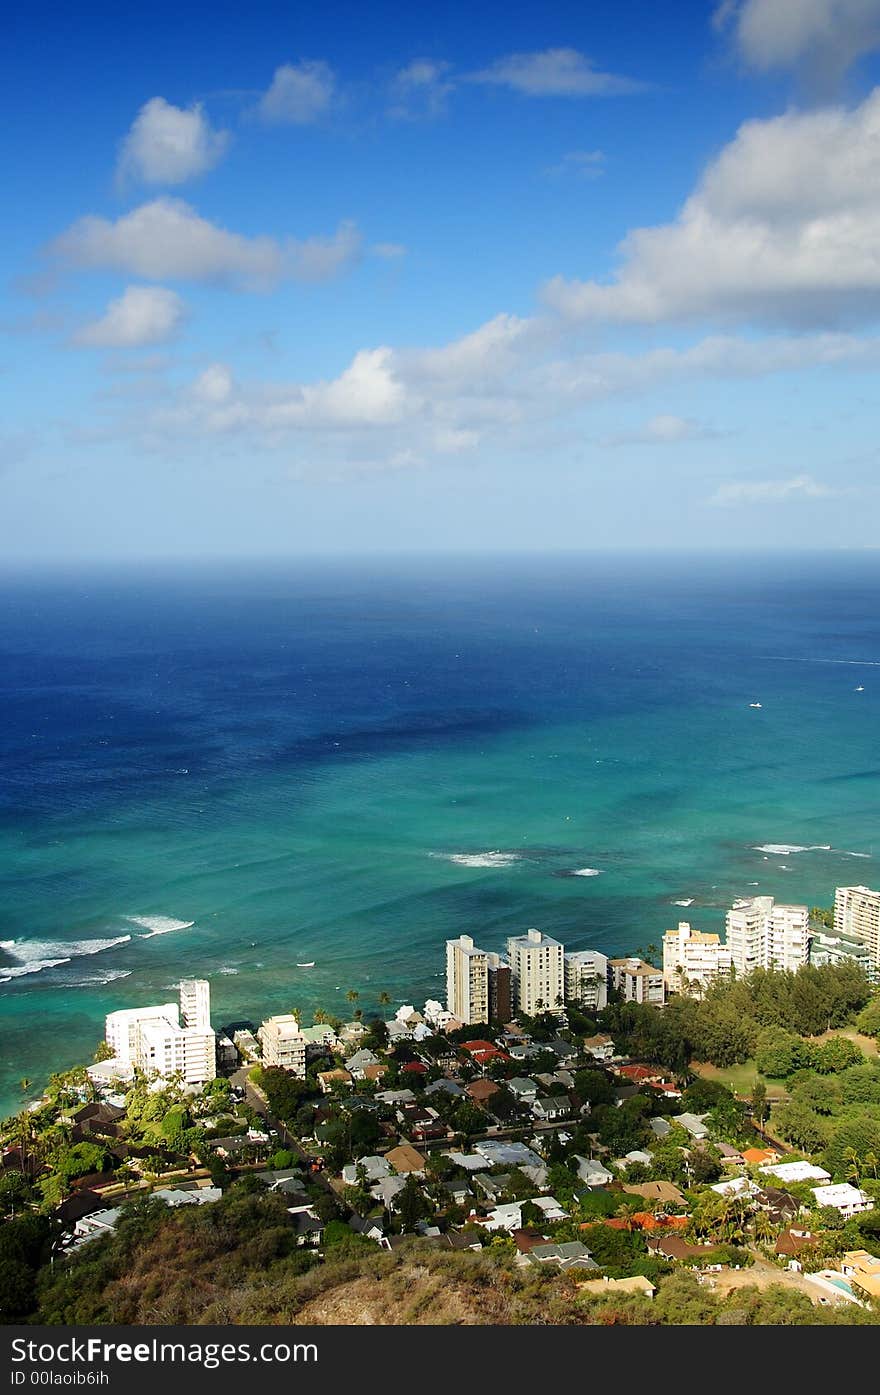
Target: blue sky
column 495, row 277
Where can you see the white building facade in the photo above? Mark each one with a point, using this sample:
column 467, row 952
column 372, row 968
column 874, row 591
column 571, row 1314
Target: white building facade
column 586, row 979
column 537, row 970
column 152, row 1039
column 284, row 1044
column 467, row 981
column 764, row 935
column 637, row 981
column 857, row 917
column 692, row 960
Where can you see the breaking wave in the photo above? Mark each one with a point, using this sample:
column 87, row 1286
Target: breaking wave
column 35, row 956
column 481, row 859
column 159, row 924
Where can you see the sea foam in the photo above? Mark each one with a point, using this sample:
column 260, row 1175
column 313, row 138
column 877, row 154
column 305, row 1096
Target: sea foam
column 34, row 956
column 481, row 859
column 785, row 849
column 159, row 924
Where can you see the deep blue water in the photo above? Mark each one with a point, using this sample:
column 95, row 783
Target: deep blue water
column 289, row 757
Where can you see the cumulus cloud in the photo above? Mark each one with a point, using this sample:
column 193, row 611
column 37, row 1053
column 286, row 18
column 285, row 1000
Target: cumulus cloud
column 771, row 491
column 824, row 37
column 663, row 430
column 142, row 315
column 420, row 90
column 388, row 251
column 167, row 240
column 168, row 145
column 299, row 94
column 555, row 72
column 784, row 227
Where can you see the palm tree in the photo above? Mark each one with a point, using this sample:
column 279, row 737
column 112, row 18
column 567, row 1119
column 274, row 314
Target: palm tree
column 627, row 1210
column 872, row 1162
column 352, row 995
column 854, row 1166
column 384, row 999
column 24, row 1084
column 320, row 1017
column 764, row 1228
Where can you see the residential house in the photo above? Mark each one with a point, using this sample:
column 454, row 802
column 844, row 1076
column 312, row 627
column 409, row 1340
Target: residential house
column 863, row 1271
column 600, row 1046
column 637, row 981
column 549, row 1107
column 470, row 1162
column 395, row 1096
column 592, row 1172
column 571, row 1254
column 845, row 1198
column 492, row 1185
column 796, row 1172
column 387, row 1191
column 482, row 1089
column 330, row 1080
column 675, row 1248
column 369, row 1227
column 307, row 1225
column 523, row 1089
column 694, row 1125
column 659, row 1127
column 374, row 1169
column 791, row 1245
column 666, row 1193
column 636, row 1155
column 405, row 1158
column 499, row 1153
column 445, row 1087
column 756, row 1156
column 358, row 1063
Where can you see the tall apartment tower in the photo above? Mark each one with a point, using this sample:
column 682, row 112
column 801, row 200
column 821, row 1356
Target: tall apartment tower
column 692, row 959
column 762, row 935
column 195, row 1004
column 467, row 980
column 857, row 917
column 537, row 972
column 152, row 1039
column 500, row 995
column 586, row 979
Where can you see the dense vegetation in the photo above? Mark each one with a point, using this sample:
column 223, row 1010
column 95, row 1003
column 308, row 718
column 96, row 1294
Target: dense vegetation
column 236, row 1261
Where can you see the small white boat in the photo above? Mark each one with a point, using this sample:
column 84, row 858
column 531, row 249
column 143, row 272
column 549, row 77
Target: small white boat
column 310, row 965
column 860, row 688
column 755, row 704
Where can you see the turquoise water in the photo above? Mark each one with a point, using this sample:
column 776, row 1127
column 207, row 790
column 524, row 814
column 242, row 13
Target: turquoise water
column 291, row 759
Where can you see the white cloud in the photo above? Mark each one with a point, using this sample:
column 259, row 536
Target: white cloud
column 167, row 240
column 663, row 430
column 784, row 227
column 421, row 90
column 388, row 251
column 823, row 36
column 771, row 491
column 142, row 315
column 168, row 145
column 555, row 72
column 214, row 385
column 299, row 94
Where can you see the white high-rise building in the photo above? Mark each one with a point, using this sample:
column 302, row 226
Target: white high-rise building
column 586, row 979
column 857, row 917
column 537, row 973
column 467, row 981
column 763, row 935
column 693, row 959
column 195, row 1003
column 284, row 1044
column 152, row 1040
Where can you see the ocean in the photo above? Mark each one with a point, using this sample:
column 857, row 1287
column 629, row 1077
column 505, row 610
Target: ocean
column 231, row 772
